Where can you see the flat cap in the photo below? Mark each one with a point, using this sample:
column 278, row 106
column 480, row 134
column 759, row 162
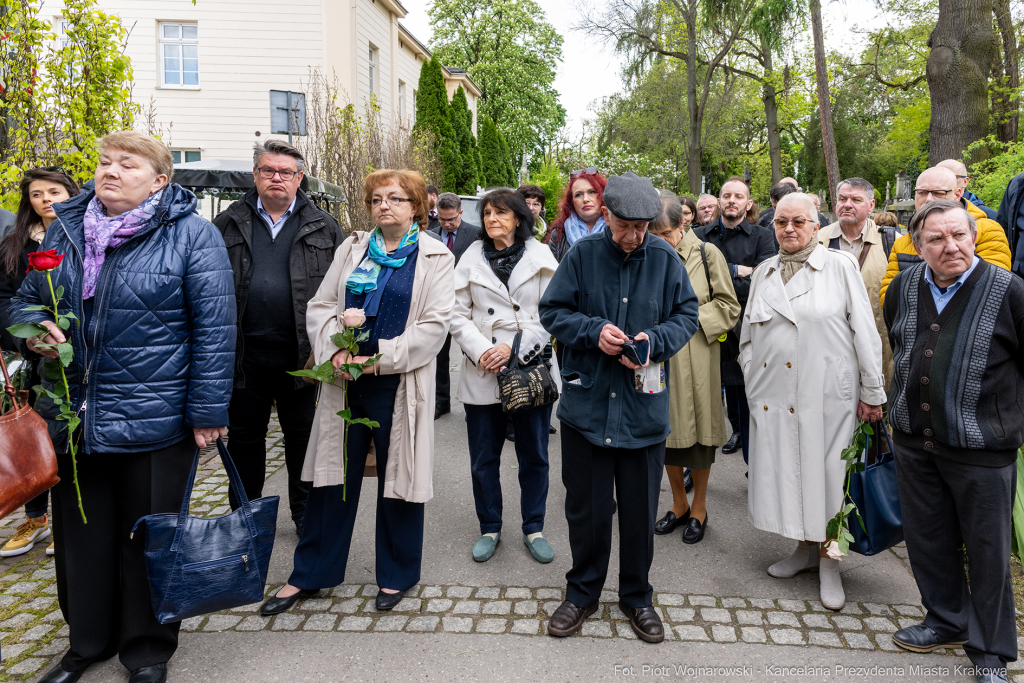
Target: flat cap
column 632, row 198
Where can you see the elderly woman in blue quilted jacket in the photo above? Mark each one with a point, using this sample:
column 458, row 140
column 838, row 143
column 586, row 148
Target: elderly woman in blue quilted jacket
column 151, row 286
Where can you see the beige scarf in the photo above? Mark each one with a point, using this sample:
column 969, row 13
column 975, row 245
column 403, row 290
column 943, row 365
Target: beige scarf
column 792, row 263
column 37, row 232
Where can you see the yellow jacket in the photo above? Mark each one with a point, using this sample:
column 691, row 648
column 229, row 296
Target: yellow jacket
column 991, row 246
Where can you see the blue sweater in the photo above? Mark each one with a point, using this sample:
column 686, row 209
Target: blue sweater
column 646, row 290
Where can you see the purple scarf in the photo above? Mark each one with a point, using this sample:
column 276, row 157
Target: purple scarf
column 103, row 232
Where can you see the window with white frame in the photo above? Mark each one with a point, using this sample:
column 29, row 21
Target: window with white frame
column 62, row 26
column 373, row 69
column 186, row 155
column 179, row 55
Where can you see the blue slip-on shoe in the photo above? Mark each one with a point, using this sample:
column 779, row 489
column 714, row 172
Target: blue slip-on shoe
column 540, row 549
column 483, row 549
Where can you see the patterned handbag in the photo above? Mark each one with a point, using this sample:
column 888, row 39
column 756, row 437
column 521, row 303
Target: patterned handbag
column 526, row 387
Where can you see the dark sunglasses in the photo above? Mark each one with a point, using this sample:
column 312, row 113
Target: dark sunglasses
column 58, row 169
column 586, row 171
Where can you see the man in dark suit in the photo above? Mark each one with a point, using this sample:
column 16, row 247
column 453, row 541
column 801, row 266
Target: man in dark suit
column 457, row 235
column 432, row 214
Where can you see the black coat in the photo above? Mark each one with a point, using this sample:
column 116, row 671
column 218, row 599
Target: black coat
column 9, row 284
column 744, row 245
column 468, row 233
column 316, row 240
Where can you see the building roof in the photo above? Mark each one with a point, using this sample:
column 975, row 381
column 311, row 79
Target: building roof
column 414, row 42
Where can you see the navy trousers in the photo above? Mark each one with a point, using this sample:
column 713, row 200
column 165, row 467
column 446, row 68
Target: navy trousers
column 486, row 428
column 736, row 395
column 322, row 553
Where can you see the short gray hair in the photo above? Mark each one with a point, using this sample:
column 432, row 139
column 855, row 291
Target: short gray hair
column 705, row 195
column 802, row 198
column 448, row 201
column 668, row 194
column 671, row 216
column 858, row 184
column 937, row 206
column 277, row 147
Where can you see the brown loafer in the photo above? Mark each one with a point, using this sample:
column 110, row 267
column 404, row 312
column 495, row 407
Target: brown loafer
column 645, row 622
column 568, row 619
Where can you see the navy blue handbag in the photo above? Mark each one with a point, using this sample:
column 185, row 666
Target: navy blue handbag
column 877, row 497
column 198, row 565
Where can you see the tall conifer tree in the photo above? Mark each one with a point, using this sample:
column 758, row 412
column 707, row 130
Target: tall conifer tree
column 432, row 114
column 462, row 122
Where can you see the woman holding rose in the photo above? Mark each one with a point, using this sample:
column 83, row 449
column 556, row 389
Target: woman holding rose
column 404, row 287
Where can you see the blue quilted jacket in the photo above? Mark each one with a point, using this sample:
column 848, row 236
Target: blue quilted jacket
column 158, row 357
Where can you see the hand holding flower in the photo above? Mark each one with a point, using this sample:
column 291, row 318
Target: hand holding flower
column 50, row 340
column 343, row 357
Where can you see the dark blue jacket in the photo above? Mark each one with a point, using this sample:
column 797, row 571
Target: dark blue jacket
column 646, row 290
column 1011, row 217
column 158, row 358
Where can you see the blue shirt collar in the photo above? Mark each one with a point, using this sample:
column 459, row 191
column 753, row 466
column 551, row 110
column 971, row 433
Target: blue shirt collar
column 959, row 281
column 266, row 216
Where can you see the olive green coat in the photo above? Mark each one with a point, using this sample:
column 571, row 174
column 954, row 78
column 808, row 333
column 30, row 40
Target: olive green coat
column 696, row 375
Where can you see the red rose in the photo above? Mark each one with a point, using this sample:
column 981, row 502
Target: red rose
column 44, row 260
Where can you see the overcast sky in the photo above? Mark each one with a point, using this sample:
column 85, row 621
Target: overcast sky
column 590, row 70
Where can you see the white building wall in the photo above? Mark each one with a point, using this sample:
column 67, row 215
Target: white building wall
column 373, row 27
column 407, row 68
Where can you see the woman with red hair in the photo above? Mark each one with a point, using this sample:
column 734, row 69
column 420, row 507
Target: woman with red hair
column 579, row 214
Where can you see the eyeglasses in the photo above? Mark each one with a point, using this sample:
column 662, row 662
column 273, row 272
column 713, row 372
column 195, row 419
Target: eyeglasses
column 586, row 171
column 269, row 173
column 798, row 222
column 938, row 194
column 963, row 176
column 390, row 201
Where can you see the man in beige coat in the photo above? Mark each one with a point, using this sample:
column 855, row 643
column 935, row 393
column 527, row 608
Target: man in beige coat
column 856, row 234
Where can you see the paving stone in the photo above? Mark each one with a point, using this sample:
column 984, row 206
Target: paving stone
column 505, row 606
column 394, row 622
column 36, row 632
column 431, row 592
column 817, row 606
column 488, row 593
column 786, row 636
column 466, row 607
column 459, row 591
column 884, row 641
column 527, row 626
column 716, row 614
column 491, row 625
column 723, row 634
column 350, row 606
column 959, row 652
column 824, row 638
column 370, row 590
column 218, row 511
column 783, row 619
column 287, row 622
column 64, row 631
column 908, row 610
column 7, row 600
column 12, row 651
column 414, row 592
column 221, row 622
column 734, row 602
column 457, row 624
column 762, row 603
column 703, row 600
column 598, row 613
column 54, row 647
column 316, row 604
column 519, row 593
column 422, row 623
column 408, row 605
column 880, row 624
column 354, row 623
column 847, row 623
column 549, row 593
column 345, row 591
column 624, row 630
column 18, row 620
column 793, row 605
column 851, row 608
column 615, row 613
column 609, row 596
column 45, row 573
column 691, row 633
column 875, row 608
column 670, row 599
column 753, row 634
column 597, row 629
column 321, row 622
column 680, row 613
column 525, row 608
column 901, row 552
column 817, row 621
column 22, row 587
column 254, row 607
column 439, row 605
column 252, row 624
column 191, row 624
column 905, row 623
column 49, row 590
column 548, row 607
column 858, row 641
column 26, row 666
column 749, row 617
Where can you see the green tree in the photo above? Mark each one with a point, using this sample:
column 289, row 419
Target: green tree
column 512, row 53
column 462, row 122
column 433, row 116
column 496, row 167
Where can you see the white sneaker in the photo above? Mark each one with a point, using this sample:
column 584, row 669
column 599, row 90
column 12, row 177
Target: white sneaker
column 803, row 559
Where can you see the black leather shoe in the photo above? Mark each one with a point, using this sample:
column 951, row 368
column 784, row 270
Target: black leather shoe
column 441, row 410
column 645, row 622
column 688, row 480
column 694, row 531
column 669, row 522
column 386, row 601
column 277, row 605
column 58, row 675
column 921, row 638
column 733, row 444
column 552, row 430
column 149, row 674
column 568, row 619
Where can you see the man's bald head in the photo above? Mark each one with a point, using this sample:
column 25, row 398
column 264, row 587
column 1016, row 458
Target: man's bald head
column 936, row 183
column 959, row 170
column 790, row 181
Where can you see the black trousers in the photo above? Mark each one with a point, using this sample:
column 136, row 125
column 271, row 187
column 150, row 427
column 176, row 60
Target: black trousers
column 442, row 377
column 101, row 572
column 267, row 382
column 945, row 505
column 590, row 473
column 736, row 395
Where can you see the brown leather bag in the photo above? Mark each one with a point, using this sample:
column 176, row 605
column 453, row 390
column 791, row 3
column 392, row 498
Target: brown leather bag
column 28, row 464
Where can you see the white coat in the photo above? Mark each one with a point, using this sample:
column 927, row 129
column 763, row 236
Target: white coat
column 412, row 354
column 809, row 351
column 484, row 317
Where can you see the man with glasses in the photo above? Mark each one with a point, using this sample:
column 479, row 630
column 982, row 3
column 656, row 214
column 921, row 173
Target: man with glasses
column 941, row 183
column 280, row 246
column 963, row 179
column 457, row 235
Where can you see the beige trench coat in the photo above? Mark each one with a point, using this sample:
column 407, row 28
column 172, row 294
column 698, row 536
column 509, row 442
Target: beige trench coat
column 696, row 374
column 410, row 466
column 872, row 273
column 809, row 352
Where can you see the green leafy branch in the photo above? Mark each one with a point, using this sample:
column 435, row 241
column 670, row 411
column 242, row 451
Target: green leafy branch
column 838, row 528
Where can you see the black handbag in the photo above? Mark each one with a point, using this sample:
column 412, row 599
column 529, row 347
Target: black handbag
column 526, row 387
column 198, row 565
column 875, row 493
